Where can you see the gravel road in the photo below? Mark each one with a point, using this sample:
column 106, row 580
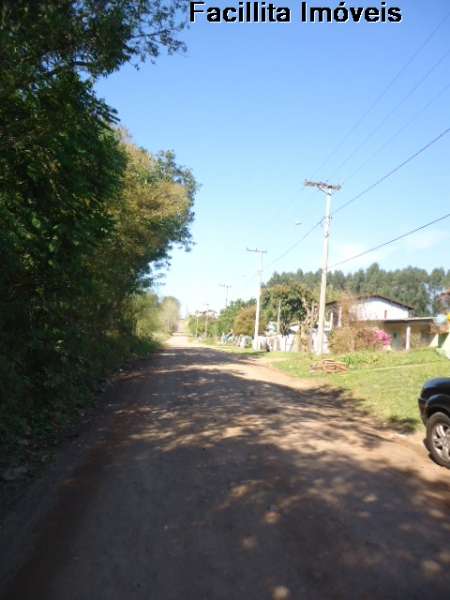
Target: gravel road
column 208, row 476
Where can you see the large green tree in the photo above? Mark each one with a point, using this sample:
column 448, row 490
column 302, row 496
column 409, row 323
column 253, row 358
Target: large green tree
column 289, row 303
column 227, row 316
column 244, row 322
column 82, row 211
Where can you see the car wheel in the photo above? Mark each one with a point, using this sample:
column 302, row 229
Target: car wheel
column 438, row 438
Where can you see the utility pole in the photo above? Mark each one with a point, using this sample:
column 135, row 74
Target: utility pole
column 327, row 189
column 206, row 320
column 227, row 287
column 258, row 297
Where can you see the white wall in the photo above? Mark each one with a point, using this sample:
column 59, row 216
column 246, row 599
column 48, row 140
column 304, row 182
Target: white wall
column 376, row 309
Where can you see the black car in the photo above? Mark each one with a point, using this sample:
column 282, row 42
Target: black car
column 434, row 405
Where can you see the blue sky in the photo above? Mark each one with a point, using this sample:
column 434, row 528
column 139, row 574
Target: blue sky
column 254, row 109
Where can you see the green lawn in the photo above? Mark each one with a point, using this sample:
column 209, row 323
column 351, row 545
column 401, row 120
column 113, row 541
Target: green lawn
column 387, row 384
column 211, row 343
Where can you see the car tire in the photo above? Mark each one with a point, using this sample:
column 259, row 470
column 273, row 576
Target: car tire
column 438, row 438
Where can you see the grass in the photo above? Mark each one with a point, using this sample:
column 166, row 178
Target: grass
column 387, row 383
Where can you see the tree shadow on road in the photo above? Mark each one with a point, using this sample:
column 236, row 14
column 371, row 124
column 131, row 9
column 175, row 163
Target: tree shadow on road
column 231, row 487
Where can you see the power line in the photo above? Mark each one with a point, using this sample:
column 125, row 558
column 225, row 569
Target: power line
column 357, row 197
column 384, row 92
column 392, row 172
column 375, row 103
column 386, row 118
column 381, row 96
column 296, row 244
column 396, row 239
column 398, row 132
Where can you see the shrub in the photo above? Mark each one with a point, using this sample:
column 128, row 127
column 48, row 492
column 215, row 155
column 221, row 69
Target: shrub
column 351, row 339
column 384, row 338
column 244, row 322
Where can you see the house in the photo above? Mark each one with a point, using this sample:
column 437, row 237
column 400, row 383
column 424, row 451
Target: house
column 384, row 313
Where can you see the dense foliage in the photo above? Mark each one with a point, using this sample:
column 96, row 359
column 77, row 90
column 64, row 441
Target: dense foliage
column 169, row 314
column 203, row 324
column 355, row 338
column 286, row 304
column 83, row 212
column 413, row 286
column 244, row 322
column 154, row 316
column 228, row 315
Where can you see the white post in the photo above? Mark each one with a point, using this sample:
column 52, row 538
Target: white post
column 408, row 338
column 323, row 285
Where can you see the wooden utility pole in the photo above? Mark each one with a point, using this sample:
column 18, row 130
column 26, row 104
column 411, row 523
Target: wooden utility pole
column 327, row 189
column 258, row 297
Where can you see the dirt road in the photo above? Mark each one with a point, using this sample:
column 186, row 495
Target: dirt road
column 210, row 477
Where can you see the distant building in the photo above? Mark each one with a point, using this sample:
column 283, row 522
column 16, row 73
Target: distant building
column 384, row 313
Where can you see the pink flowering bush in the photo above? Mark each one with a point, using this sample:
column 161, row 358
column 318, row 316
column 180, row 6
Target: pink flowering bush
column 383, row 338
column 354, row 339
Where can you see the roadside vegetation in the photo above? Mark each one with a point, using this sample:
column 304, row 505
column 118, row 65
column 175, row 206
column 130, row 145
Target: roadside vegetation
column 386, row 383
column 411, row 285
column 86, row 216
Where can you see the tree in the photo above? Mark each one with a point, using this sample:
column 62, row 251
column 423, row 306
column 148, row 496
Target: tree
column 289, row 301
column 82, row 211
column 436, row 287
column 170, row 314
column 146, row 311
column 227, row 316
column 202, row 324
column 50, row 38
column 244, row 322
column 411, row 285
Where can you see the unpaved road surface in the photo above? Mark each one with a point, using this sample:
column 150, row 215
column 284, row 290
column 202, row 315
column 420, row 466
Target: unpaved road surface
column 210, row 477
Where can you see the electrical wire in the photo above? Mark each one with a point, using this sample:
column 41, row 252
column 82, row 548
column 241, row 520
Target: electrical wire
column 296, row 244
column 389, row 115
column 383, row 93
column 396, row 239
column 397, row 133
column 392, row 172
column 370, row 109
column 357, row 197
